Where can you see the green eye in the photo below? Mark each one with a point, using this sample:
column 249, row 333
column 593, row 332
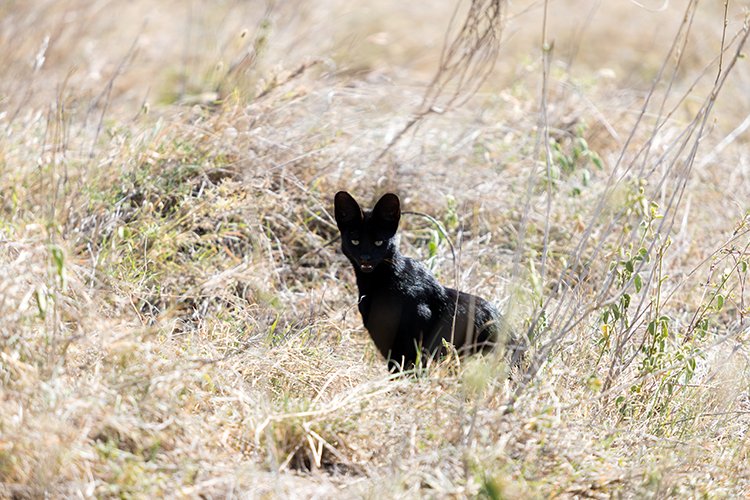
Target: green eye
column 355, row 242
column 378, row 243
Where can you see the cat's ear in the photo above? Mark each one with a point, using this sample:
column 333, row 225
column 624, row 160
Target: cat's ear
column 346, row 210
column 388, row 211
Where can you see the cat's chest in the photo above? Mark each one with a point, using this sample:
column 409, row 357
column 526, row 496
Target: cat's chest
column 382, row 316
column 381, row 303
column 392, row 298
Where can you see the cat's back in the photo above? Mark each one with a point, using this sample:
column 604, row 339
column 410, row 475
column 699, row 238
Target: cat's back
column 414, row 281
column 467, row 321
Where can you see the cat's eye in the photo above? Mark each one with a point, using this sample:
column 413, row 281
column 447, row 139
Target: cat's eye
column 355, row 242
column 378, row 243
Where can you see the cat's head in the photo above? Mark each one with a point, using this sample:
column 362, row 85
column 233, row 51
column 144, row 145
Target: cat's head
column 367, row 237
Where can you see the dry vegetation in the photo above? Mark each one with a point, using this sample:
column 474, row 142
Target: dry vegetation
column 177, row 319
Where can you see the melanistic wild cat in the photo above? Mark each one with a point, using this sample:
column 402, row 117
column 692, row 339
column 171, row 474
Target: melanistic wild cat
column 403, row 306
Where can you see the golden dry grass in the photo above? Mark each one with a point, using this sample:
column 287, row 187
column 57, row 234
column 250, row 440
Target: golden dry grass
column 176, row 321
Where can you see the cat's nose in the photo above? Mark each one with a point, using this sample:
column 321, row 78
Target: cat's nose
column 364, row 258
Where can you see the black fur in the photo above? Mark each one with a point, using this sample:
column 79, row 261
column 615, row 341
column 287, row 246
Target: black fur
column 403, row 306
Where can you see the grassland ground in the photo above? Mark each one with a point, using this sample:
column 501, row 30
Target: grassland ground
column 177, row 319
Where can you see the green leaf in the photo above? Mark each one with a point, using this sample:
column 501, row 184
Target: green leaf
column 596, row 161
column 41, row 302
column 615, row 311
column 719, row 302
column 432, row 247
column 691, row 364
column 625, row 301
column 638, row 282
column 58, row 259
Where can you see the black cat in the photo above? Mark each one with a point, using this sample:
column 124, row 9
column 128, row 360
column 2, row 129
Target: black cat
column 405, row 309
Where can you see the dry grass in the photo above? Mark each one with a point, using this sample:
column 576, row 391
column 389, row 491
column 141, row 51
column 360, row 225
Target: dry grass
column 177, row 323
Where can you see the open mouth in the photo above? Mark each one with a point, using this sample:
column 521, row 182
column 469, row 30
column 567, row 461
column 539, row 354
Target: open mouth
column 366, row 268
